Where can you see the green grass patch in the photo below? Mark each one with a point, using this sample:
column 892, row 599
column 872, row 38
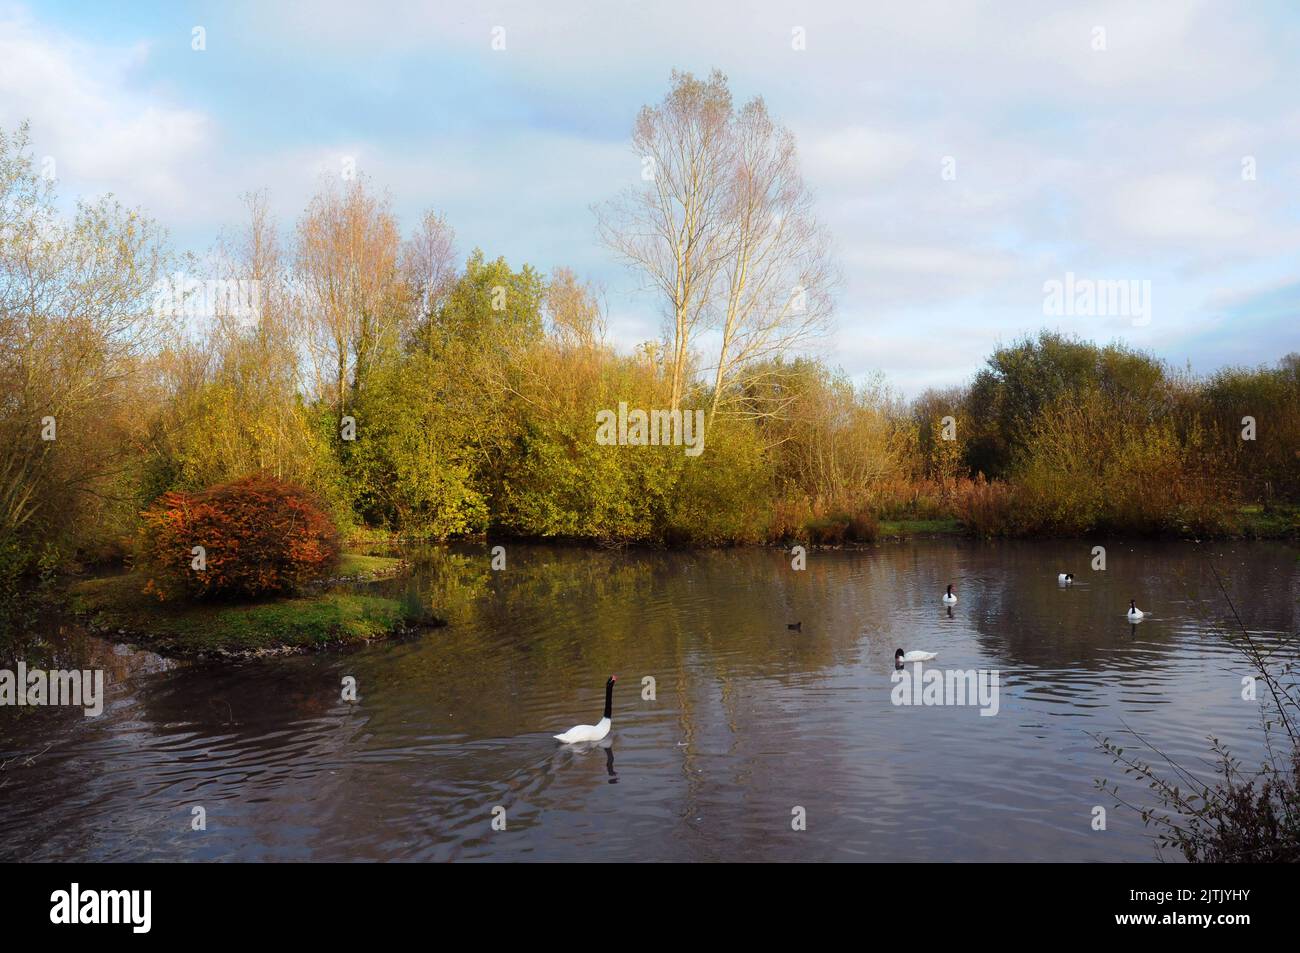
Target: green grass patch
column 117, row 606
column 1276, row 521
column 355, row 565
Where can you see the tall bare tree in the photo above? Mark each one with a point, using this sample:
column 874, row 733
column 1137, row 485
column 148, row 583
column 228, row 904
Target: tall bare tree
column 778, row 274
column 675, row 230
column 725, row 232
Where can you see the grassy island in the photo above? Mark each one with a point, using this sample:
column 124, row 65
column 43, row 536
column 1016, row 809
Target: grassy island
column 117, row 606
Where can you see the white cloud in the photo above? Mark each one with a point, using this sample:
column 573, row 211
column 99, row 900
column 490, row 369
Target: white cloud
column 1179, row 207
column 104, row 132
column 857, row 156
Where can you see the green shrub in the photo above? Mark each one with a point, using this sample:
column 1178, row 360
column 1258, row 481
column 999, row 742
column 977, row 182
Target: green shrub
column 1096, row 462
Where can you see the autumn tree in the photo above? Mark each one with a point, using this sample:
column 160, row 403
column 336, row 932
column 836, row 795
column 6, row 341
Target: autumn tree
column 575, row 311
column 77, row 320
column 348, row 257
column 232, row 385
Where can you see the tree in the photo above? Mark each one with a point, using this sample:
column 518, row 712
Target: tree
column 724, row 231
column 1266, row 465
column 439, row 415
column 77, row 320
column 1008, row 397
column 231, row 401
column 575, row 312
column 937, row 457
column 348, row 253
column 832, row 442
column 429, row 266
column 416, row 466
column 675, row 230
column 778, row 275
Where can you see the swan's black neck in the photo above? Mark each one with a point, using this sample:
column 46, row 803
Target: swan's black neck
column 609, row 698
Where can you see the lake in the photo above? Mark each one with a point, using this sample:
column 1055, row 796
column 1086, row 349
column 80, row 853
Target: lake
column 750, row 724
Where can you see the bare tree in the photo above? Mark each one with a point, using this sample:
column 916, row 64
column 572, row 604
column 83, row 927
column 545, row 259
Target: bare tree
column 725, row 232
column 675, row 230
column 778, row 274
column 260, row 308
column 429, row 265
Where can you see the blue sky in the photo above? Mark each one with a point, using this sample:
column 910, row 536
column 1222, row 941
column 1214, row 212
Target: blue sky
column 1122, row 163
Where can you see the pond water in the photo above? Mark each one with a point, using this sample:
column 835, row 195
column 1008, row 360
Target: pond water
column 749, row 722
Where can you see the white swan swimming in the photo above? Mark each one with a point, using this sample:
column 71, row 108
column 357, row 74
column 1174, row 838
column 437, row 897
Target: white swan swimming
column 900, row 656
column 1134, row 613
column 1065, row 578
column 949, row 597
column 600, row 729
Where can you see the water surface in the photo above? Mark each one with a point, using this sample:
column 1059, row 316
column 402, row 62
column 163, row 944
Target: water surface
column 749, row 720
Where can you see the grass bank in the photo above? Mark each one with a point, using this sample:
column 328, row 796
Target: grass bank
column 904, row 529
column 1269, row 522
column 116, row 606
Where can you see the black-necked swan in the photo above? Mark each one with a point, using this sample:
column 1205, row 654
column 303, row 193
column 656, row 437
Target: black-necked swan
column 949, row 597
column 1065, row 577
column 1134, row 613
column 901, row 656
column 600, row 729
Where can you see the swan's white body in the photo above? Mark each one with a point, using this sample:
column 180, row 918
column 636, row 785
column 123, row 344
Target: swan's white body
column 600, row 729
column 1065, row 577
column 578, row 733
column 917, row 656
column 1135, row 615
column 949, row 599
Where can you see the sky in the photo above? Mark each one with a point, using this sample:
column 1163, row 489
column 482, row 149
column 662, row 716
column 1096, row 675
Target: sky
column 964, row 155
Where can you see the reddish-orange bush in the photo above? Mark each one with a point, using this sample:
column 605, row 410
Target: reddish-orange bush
column 258, row 535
